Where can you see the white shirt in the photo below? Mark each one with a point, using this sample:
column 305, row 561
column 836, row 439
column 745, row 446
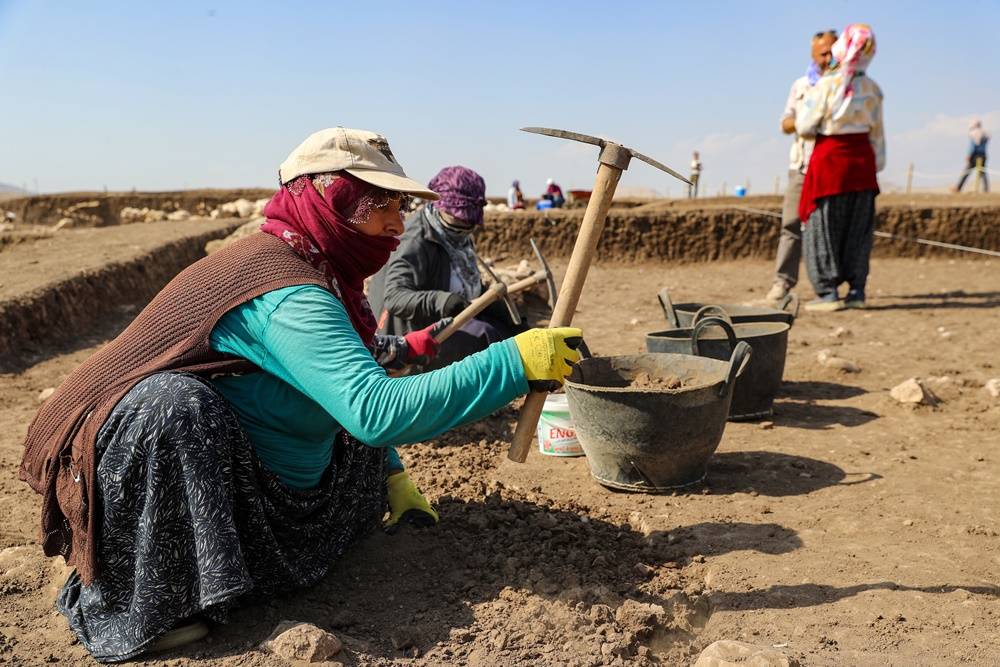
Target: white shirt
column 864, row 113
column 798, row 156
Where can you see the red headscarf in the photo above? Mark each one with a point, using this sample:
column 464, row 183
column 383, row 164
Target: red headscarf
column 317, row 226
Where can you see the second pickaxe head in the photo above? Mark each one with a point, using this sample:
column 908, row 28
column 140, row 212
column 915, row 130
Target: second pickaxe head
column 550, row 281
column 612, row 153
column 515, row 315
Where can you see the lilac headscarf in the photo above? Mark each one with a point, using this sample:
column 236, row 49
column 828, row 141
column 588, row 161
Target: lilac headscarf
column 463, row 193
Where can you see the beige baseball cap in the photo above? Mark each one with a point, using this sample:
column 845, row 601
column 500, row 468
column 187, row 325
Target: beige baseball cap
column 360, row 153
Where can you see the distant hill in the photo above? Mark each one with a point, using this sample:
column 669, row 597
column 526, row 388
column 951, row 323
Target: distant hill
column 8, row 190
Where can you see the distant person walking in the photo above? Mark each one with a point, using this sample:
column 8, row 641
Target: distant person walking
column 515, row 198
column 976, row 161
column 786, row 270
column 844, row 112
column 554, row 193
column 695, row 175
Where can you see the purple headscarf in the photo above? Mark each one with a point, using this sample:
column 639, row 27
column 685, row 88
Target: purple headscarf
column 463, row 193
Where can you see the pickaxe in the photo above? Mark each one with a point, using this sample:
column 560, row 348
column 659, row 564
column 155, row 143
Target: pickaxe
column 613, row 160
column 500, row 290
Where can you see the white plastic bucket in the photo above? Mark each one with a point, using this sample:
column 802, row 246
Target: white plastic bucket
column 556, row 432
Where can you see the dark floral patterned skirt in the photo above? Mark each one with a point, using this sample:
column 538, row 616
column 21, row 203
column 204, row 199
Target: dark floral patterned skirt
column 193, row 524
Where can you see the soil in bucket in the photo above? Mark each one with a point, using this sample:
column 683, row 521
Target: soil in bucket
column 644, row 380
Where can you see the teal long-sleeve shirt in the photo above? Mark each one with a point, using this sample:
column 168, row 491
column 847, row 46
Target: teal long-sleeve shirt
column 318, row 378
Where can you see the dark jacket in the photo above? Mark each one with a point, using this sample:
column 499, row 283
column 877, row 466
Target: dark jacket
column 410, row 291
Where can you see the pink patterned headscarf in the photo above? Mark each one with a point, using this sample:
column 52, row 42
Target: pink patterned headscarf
column 853, row 51
column 463, row 193
column 316, row 215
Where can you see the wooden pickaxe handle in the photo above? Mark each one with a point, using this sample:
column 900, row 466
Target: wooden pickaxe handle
column 569, row 295
column 496, row 291
column 535, row 278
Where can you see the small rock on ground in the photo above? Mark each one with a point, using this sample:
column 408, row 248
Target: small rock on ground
column 993, row 387
column 303, row 641
column 728, row 653
column 44, row 394
column 840, row 332
column 828, row 359
column 914, row 392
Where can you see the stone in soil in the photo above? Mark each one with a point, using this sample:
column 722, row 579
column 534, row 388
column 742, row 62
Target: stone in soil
column 303, row 641
column 913, row 391
column 829, row 360
column 992, row 386
column 728, row 653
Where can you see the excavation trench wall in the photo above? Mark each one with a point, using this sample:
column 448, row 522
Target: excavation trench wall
column 719, row 231
column 62, row 311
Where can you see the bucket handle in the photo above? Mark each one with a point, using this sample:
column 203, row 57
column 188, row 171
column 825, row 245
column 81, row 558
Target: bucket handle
column 704, row 311
column 737, row 363
column 668, row 308
column 790, row 304
column 711, row 322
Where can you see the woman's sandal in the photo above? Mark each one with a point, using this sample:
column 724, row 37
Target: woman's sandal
column 179, row 636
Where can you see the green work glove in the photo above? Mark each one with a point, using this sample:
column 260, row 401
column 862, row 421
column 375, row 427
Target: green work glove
column 407, row 504
column 548, row 355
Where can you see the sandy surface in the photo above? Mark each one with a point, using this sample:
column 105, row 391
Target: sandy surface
column 33, row 257
column 853, row 531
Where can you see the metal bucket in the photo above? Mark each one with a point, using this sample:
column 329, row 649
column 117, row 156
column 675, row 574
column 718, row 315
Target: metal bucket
column 651, row 440
column 682, row 315
column 713, row 337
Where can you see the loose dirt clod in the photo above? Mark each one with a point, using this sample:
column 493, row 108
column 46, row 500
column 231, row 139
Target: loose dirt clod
column 646, row 381
column 303, row 641
column 728, row 653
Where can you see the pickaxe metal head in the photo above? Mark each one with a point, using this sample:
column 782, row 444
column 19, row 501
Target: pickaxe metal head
column 612, row 153
column 550, row 281
column 515, row 315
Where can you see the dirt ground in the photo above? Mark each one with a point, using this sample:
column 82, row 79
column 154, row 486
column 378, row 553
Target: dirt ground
column 852, row 531
column 34, row 257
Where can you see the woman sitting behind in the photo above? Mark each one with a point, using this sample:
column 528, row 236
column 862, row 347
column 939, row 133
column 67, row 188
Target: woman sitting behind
column 434, row 273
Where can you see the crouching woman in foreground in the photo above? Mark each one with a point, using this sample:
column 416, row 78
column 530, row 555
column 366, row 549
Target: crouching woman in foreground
column 238, row 436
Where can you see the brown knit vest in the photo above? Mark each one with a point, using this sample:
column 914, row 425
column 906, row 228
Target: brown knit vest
column 170, row 334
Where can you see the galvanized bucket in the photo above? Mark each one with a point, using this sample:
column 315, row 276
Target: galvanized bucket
column 682, row 315
column 652, row 440
column 714, row 337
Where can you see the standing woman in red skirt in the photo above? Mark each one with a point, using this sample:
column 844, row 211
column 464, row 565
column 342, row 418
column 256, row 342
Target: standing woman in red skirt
column 844, row 112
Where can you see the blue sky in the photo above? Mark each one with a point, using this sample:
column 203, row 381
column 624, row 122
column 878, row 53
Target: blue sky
column 158, row 95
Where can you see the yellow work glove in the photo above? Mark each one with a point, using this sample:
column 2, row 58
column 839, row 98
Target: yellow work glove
column 548, row 355
column 407, row 504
